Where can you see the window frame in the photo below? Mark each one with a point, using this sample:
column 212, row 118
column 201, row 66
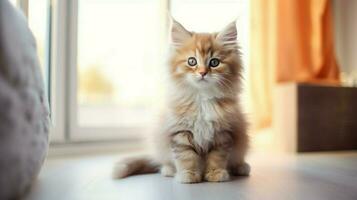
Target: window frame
column 23, row 5
column 58, row 70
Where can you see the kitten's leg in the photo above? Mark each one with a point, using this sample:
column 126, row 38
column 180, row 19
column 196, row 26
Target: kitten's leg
column 217, row 159
column 216, row 166
column 187, row 161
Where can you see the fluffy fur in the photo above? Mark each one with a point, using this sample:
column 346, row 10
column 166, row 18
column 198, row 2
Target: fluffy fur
column 203, row 133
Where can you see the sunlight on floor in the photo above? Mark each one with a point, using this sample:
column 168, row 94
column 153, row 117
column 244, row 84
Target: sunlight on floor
column 262, row 140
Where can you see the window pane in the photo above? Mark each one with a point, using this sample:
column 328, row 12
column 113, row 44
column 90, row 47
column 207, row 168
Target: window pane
column 13, row 2
column 39, row 22
column 119, row 61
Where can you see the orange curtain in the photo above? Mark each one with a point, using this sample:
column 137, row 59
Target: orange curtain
column 291, row 41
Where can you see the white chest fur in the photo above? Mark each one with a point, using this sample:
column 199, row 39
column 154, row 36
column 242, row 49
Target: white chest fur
column 203, row 122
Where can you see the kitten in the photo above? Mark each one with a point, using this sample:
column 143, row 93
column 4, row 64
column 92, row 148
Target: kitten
column 203, row 134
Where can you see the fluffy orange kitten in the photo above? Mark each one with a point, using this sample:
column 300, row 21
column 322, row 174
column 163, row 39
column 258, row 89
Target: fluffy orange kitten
column 203, row 134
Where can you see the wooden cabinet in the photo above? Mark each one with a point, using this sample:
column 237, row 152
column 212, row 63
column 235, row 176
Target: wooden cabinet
column 314, row 118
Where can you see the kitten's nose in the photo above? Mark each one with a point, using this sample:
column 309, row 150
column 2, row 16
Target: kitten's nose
column 203, row 73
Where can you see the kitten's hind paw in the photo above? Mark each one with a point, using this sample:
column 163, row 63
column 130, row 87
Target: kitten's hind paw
column 241, row 169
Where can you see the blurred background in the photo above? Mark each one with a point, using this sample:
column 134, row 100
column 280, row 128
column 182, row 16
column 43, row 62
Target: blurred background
column 103, row 61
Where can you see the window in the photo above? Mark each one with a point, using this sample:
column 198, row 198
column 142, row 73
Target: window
column 118, row 64
column 118, row 67
column 104, row 60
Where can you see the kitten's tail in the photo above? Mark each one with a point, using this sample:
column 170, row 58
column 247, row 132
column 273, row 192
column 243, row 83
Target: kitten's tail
column 135, row 165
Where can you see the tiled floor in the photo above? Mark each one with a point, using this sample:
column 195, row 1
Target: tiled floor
column 307, row 177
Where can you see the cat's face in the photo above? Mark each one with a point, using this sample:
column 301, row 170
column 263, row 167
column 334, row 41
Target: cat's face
column 205, row 60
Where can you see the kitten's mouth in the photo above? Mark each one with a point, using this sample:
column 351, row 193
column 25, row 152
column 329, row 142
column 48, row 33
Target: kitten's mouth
column 202, row 80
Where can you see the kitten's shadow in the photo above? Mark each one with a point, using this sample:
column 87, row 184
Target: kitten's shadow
column 239, row 178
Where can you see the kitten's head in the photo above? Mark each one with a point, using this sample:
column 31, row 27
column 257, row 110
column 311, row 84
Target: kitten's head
column 205, row 60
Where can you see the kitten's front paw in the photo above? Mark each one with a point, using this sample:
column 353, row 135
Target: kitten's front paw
column 188, row 176
column 217, row 175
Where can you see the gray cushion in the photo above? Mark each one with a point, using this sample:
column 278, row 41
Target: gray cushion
column 24, row 116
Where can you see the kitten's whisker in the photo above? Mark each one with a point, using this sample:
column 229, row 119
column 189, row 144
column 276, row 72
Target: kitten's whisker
column 221, row 82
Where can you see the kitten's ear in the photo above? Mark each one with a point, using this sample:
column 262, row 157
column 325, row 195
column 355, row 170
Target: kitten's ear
column 179, row 34
column 228, row 36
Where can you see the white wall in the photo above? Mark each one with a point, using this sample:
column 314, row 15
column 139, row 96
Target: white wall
column 345, row 21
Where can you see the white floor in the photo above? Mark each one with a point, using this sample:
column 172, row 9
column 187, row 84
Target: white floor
column 307, row 177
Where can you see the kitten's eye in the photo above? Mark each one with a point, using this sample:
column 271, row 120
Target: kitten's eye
column 214, row 62
column 192, row 61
